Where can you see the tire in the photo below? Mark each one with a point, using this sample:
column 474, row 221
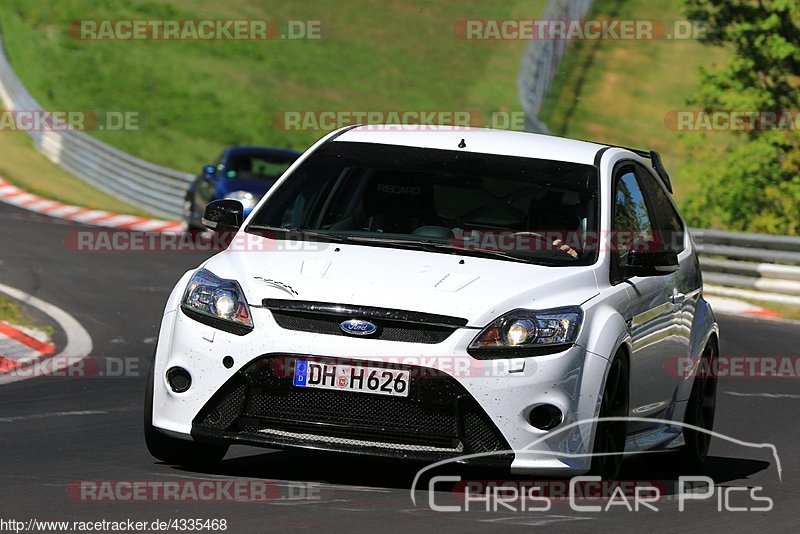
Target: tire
column 188, row 215
column 609, row 439
column 172, row 450
column 700, row 411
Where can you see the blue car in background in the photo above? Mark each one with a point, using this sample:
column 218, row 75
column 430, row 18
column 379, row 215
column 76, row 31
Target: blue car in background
column 243, row 173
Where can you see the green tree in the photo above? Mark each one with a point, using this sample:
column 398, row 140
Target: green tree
column 754, row 184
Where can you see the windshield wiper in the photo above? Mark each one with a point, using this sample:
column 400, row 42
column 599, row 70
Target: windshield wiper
column 481, row 252
column 436, row 246
column 412, row 244
column 335, row 238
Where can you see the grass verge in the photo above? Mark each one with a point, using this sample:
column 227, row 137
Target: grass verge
column 12, row 313
column 195, row 97
column 620, row 91
column 23, row 166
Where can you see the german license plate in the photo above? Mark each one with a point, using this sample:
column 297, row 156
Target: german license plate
column 341, row 377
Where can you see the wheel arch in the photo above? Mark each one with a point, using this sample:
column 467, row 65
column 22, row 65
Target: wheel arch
column 704, row 331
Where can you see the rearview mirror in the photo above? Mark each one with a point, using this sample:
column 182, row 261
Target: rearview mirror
column 222, row 215
column 648, row 262
column 208, row 170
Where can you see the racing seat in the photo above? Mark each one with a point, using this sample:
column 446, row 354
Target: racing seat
column 396, row 203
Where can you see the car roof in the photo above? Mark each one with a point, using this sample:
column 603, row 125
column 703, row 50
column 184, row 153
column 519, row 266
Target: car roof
column 480, row 140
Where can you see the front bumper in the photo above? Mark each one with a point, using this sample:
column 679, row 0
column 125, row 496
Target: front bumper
column 260, row 406
column 458, row 406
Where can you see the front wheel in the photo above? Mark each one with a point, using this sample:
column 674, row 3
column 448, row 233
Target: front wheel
column 700, row 411
column 609, row 439
column 172, row 450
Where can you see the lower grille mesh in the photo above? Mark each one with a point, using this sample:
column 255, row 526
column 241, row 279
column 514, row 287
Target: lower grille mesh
column 437, row 416
column 334, row 409
column 480, row 434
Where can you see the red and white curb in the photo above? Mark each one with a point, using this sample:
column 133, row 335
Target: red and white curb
column 11, row 194
column 20, row 347
column 731, row 306
column 31, row 346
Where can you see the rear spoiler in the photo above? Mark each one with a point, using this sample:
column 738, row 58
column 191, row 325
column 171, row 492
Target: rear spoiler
column 655, row 161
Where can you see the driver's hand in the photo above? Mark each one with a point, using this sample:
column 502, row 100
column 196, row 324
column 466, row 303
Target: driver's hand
column 566, row 248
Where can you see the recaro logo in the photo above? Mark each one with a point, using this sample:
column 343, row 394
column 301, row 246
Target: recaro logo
column 398, row 189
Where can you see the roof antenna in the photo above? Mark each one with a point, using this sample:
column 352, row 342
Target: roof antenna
column 462, row 144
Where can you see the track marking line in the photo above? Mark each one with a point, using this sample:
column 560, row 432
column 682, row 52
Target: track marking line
column 51, row 414
column 534, row 521
column 75, row 413
column 302, row 502
column 763, row 395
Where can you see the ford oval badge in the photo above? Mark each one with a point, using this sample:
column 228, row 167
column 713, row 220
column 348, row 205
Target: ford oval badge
column 358, row 327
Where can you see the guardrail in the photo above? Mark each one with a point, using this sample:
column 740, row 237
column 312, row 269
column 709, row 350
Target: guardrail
column 140, row 183
column 759, row 266
column 540, row 61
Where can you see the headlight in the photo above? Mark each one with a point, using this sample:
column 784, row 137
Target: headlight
column 248, row 200
column 521, row 333
column 217, row 302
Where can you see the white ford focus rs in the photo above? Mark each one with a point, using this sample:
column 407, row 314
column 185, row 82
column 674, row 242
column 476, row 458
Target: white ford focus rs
column 512, row 298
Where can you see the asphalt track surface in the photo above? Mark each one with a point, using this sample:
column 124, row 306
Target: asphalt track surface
column 57, row 431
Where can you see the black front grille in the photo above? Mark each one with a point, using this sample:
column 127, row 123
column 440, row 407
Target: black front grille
column 387, row 330
column 260, row 404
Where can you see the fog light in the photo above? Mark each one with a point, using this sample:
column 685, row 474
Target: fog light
column 179, row 379
column 545, row 417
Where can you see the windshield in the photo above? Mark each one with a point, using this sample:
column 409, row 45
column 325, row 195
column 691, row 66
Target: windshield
column 438, row 200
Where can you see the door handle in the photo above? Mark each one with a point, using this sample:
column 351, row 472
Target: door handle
column 677, row 298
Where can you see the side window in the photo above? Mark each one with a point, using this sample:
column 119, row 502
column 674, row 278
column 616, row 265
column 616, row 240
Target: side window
column 667, row 223
column 631, row 218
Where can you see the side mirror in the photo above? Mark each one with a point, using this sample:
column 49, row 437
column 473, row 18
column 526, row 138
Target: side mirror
column 208, row 170
column 651, row 262
column 223, row 215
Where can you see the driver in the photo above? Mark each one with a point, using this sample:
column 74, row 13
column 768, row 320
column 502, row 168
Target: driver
column 566, row 248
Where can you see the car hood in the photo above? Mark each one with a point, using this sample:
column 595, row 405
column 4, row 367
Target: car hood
column 476, row 289
column 257, row 187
